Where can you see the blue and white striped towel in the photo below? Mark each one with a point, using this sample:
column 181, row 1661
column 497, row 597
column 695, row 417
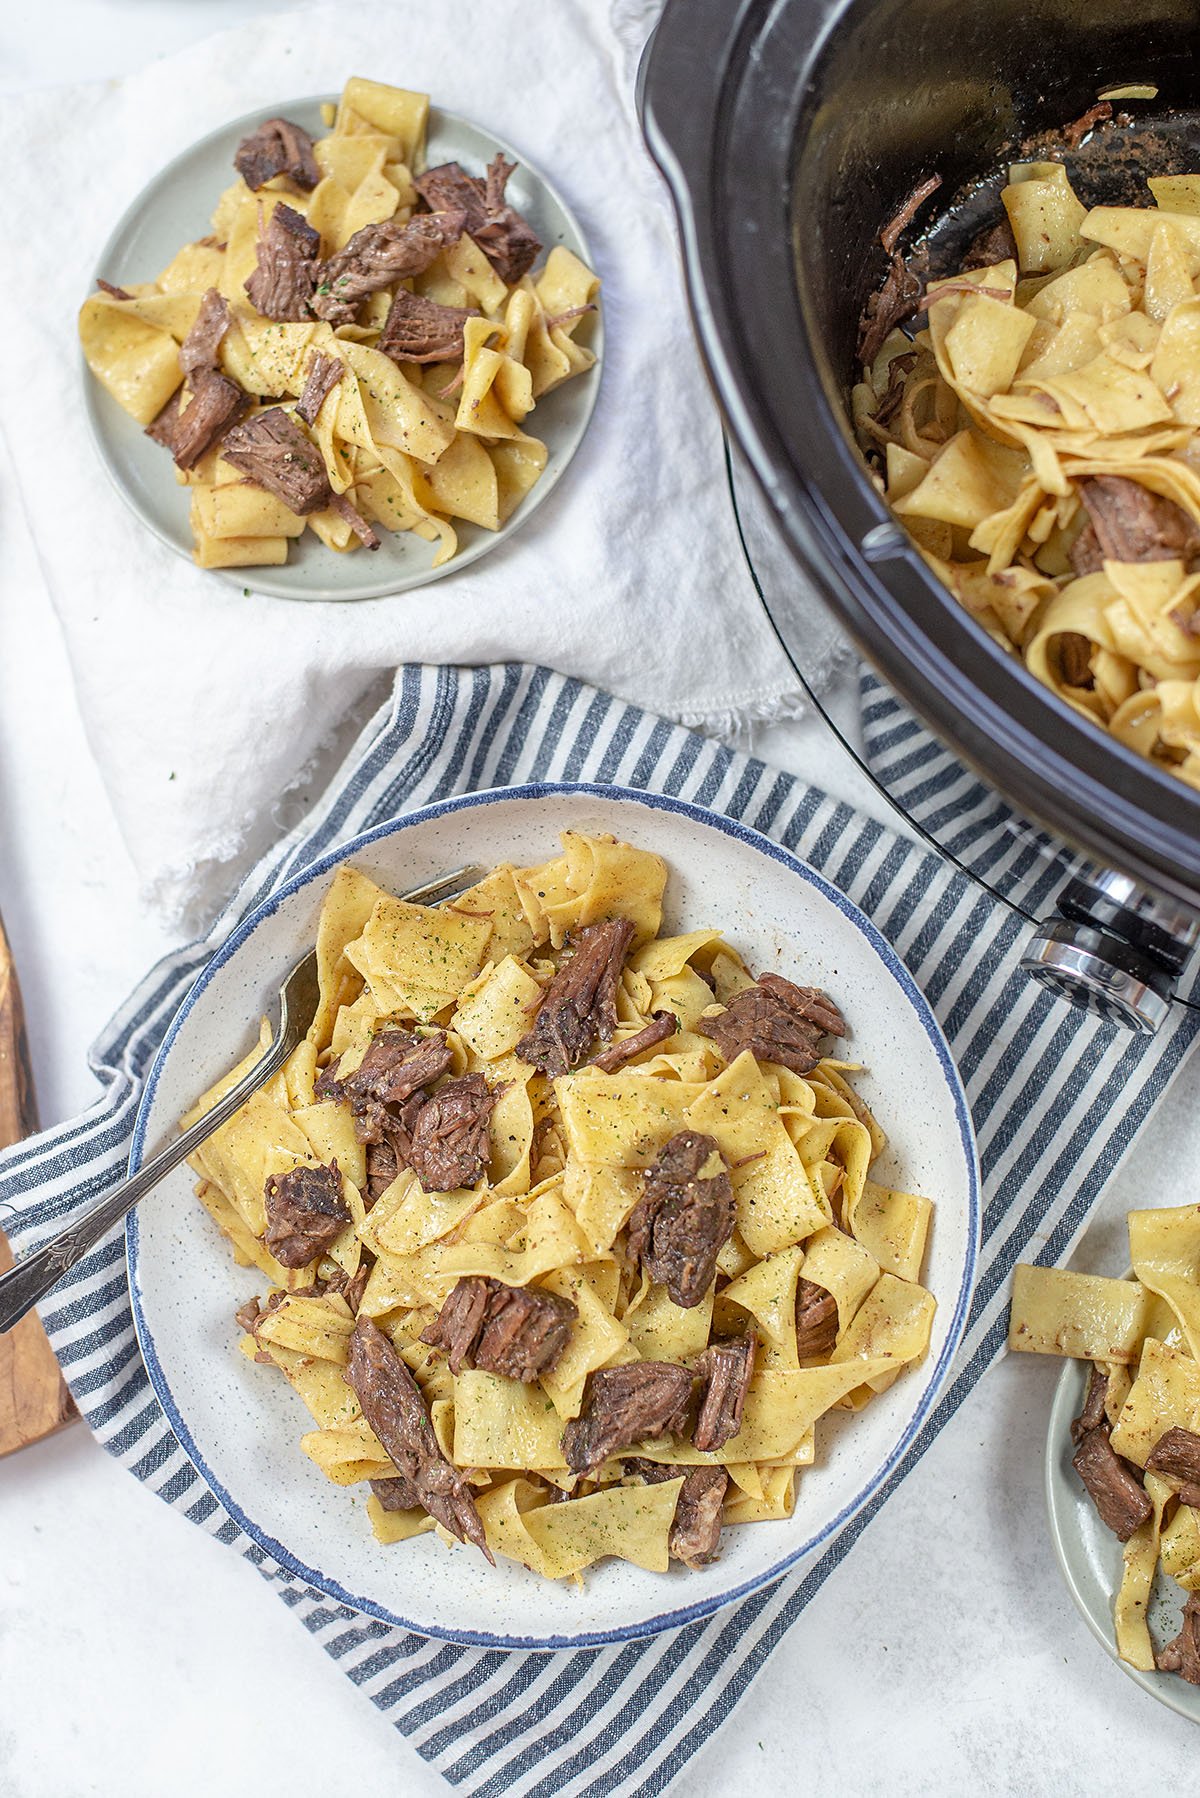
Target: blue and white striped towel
column 1057, row 1098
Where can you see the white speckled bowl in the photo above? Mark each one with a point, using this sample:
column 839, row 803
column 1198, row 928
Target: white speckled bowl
column 241, row 1426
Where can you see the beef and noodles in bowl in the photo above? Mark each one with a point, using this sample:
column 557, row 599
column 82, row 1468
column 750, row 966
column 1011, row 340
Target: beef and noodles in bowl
column 919, row 245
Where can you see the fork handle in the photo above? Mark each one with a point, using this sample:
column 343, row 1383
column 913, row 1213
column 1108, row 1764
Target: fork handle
column 23, row 1286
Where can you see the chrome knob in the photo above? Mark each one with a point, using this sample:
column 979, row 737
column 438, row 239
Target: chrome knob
column 1100, row 973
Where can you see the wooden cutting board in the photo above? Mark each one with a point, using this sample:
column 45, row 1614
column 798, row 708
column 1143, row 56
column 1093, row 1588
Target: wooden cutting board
column 34, row 1400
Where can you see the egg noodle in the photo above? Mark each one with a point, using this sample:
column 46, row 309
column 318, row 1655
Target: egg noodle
column 1024, row 387
column 1143, row 1335
column 566, row 1164
column 412, row 448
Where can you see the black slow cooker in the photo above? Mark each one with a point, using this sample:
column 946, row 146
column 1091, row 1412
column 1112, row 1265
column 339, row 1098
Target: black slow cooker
column 789, row 131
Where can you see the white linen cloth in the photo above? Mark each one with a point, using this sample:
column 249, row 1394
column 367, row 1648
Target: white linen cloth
column 204, row 706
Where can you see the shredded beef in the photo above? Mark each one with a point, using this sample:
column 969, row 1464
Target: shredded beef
column 378, row 255
column 726, row 1369
column 890, row 236
column 323, row 375
column 995, row 243
column 247, row 1315
column 348, row 1286
column 1182, row 1656
column 277, row 148
column 580, row 1003
column 394, row 1408
column 1129, row 523
column 696, row 1528
column 517, row 1331
column 190, row 431
column 305, row 1212
column 816, row 1320
column 281, row 286
column 448, row 1146
column 1177, row 1453
column 506, row 239
column 383, row 1165
column 899, row 298
column 683, row 1219
column 201, row 347
column 420, row 330
column 1073, row 652
column 1114, row 1486
column 624, row 1406
column 114, row 293
column 777, row 1021
column 662, row 1025
column 274, row 452
column 1093, row 1413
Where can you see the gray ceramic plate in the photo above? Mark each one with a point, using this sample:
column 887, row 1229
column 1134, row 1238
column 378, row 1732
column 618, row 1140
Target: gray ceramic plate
column 1090, row 1555
column 174, row 209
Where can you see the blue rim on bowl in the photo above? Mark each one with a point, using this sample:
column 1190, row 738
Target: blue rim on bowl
column 684, row 1614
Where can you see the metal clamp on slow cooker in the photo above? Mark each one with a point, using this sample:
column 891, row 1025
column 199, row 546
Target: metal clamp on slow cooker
column 1114, row 949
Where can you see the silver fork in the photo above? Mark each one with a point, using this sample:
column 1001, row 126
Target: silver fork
column 30, row 1280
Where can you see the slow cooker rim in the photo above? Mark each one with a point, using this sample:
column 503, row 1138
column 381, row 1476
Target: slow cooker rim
column 1100, row 794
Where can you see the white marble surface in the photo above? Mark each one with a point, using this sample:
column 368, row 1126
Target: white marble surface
column 943, row 1656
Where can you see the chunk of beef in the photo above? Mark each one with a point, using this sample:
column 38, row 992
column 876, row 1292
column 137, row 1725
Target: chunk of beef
column 1093, row 1413
column 201, row 347
column 305, row 1212
column 995, row 243
column 324, row 373
column 419, row 330
column 1128, row 523
column 378, row 255
column 517, row 1331
column 662, row 1025
column 396, row 1065
column 506, row 239
column 1182, row 1656
column 580, row 1003
column 282, row 284
column 1073, row 654
column 1177, row 1454
column 396, row 1494
column 277, row 148
column 683, row 1218
column 1074, row 133
column 394, row 1408
column 114, row 293
column 726, row 1369
column 190, row 430
column 448, row 1147
column 345, row 508
column 274, row 452
column 816, row 1320
column 696, row 1529
column 626, row 1405
column 1114, row 1487
column 777, row 1021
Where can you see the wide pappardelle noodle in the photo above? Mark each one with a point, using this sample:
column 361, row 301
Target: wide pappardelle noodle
column 568, row 1225
column 1137, row 1439
column 358, row 342
column 1038, row 440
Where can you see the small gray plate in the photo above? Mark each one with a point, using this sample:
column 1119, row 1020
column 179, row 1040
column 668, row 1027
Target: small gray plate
column 175, row 209
column 1090, row 1555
